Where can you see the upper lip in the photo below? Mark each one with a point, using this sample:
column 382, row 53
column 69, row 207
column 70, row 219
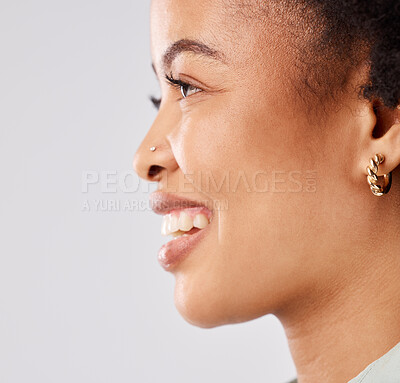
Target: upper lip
column 163, row 202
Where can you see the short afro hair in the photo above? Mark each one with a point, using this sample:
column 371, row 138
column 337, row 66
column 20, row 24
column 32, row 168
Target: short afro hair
column 349, row 32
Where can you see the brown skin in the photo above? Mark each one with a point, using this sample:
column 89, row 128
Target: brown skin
column 325, row 262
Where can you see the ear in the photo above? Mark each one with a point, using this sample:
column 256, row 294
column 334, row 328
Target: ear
column 381, row 135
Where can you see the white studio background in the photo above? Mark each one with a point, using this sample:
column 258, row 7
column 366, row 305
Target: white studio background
column 82, row 296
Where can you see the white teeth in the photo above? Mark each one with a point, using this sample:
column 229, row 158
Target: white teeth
column 185, row 223
column 164, row 226
column 200, row 221
column 173, row 223
column 177, row 225
column 176, row 234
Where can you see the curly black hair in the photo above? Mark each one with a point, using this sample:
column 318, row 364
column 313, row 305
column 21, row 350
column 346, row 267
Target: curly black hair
column 376, row 23
column 344, row 34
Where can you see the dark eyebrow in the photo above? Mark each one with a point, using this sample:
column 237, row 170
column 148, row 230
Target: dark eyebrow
column 186, row 45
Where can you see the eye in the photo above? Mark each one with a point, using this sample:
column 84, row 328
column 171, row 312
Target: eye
column 185, row 88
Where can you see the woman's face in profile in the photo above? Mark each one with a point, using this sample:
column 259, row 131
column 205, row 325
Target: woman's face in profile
column 238, row 132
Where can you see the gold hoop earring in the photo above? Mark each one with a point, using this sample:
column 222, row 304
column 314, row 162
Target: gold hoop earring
column 372, row 177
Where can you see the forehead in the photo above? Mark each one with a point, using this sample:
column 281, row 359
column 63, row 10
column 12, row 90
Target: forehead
column 212, row 22
column 245, row 31
column 178, row 15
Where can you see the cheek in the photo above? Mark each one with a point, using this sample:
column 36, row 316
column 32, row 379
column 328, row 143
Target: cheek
column 237, row 137
column 215, row 138
column 246, row 267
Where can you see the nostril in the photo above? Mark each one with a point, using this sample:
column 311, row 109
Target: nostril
column 154, row 171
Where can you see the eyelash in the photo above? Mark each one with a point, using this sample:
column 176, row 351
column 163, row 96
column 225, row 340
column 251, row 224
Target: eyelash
column 178, row 84
column 155, row 101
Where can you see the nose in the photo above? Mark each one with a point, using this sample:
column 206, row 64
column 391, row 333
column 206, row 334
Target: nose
column 154, row 156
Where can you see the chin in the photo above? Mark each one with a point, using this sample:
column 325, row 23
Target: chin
column 196, row 305
column 205, row 306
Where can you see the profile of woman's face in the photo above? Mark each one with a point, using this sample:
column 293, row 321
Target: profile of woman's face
column 241, row 140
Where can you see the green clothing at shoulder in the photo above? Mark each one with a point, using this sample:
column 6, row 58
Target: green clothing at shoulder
column 386, row 369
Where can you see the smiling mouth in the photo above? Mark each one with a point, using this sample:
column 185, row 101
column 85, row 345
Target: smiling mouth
column 187, row 221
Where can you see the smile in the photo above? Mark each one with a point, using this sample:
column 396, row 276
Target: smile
column 187, row 221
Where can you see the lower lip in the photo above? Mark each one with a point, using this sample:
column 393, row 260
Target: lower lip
column 176, row 250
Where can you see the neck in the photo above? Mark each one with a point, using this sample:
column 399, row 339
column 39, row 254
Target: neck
column 333, row 341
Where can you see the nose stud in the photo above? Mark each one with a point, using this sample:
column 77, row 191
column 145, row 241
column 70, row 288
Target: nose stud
column 153, row 149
